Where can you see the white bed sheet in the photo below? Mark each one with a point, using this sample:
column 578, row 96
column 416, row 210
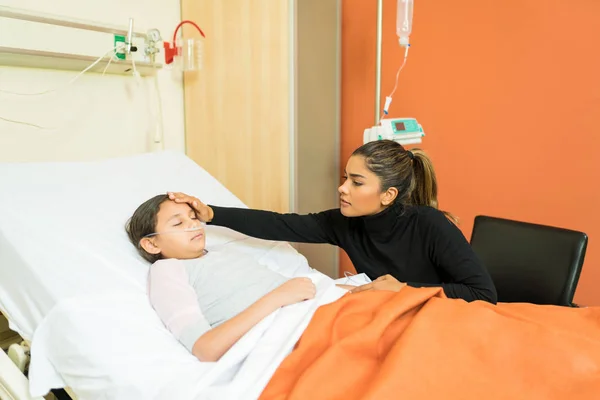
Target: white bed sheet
column 139, row 359
column 62, row 240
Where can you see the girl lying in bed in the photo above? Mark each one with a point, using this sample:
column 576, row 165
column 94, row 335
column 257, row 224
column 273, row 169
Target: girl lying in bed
column 208, row 300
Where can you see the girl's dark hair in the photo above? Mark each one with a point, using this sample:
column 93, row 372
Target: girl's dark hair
column 143, row 222
column 410, row 172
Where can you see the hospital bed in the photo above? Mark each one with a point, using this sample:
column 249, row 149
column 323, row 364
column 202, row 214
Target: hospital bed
column 73, row 286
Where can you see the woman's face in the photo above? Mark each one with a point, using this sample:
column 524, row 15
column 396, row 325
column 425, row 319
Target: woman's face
column 361, row 194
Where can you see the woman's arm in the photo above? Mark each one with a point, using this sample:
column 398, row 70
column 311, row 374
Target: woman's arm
column 311, row 228
column 451, row 253
column 176, row 303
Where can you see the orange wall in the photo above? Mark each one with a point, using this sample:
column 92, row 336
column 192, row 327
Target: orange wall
column 510, row 106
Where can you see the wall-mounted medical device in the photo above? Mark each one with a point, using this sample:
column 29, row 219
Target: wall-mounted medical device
column 132, row 51
column 185, row 52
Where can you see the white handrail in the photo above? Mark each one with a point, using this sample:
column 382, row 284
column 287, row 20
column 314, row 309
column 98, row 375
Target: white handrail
column 50, row 19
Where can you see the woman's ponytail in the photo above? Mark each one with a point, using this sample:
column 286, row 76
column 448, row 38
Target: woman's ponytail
column 425, row 188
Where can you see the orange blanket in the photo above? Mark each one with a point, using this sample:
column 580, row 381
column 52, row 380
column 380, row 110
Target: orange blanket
column 417, row 344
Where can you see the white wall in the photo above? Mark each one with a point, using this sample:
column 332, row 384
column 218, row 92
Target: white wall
column 97, row 116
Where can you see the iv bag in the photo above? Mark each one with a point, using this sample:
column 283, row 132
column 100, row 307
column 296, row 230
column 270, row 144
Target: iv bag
column 404, row 18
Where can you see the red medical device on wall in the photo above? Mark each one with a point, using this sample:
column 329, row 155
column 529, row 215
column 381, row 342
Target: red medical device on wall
column 175, row 49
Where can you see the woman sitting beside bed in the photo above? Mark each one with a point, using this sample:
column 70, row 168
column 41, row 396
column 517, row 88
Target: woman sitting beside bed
column 388, row 223
column 208, row 300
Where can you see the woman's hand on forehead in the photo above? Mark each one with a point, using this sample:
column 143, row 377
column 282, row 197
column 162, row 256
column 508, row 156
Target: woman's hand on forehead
column 203, row 212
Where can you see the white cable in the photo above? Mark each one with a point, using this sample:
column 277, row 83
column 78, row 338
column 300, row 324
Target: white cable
column 136, row 75
column 25, row 123
column 135, row 72
column 112, row 57
column 112, row 50
column 158, row 135
column 158, row 141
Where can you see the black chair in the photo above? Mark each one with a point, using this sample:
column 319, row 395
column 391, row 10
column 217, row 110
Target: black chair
column 528, row 262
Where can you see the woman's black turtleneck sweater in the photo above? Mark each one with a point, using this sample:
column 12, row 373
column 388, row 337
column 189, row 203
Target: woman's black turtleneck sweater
column 417, row 245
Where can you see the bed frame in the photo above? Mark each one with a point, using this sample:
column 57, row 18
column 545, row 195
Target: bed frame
column 13, row 384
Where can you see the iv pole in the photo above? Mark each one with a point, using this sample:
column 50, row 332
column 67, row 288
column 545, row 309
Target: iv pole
column 378, row 62
column 377, row 132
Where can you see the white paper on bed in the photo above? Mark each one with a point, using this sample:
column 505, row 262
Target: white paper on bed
column 62, row 232
column 140, row 360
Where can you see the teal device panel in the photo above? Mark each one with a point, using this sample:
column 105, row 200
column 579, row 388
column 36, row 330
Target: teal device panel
column 405, row 126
